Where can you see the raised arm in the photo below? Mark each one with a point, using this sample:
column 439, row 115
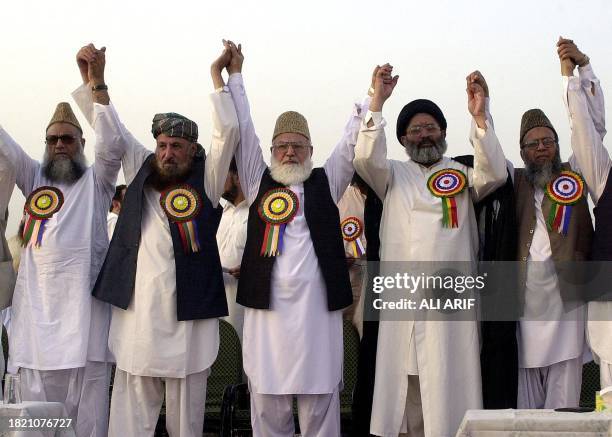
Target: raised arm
column 225, row 132
column 489, row 161
column 113, row 140
column 16, row 166
column 370, row 160
column 249, row 157
column 589, row 153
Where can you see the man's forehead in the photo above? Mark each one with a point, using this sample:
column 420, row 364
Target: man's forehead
column 422, row 118
column 538, row 133
column 291, row 138
column 62, row 128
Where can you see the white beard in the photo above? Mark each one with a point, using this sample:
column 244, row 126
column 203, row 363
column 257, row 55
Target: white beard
column 290, row 174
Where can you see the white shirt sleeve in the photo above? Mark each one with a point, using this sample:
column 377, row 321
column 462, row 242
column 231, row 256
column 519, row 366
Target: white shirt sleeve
column 134, row 152
column 489, row 162
column 370, row 160
column 594, row 98
column 339, row 166
column 249, row 158
column 225, row 137
column 590, row 156
column 16, row 165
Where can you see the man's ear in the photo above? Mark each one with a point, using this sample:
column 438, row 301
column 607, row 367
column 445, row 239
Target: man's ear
column 403, row 140
column 194, row 149
column 83, row 142
column 523, row 155
column 443, row 131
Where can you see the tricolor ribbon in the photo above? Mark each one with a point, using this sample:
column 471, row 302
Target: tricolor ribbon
column 278, row 206
column 352, row 229
column 446, row 184
column 182, row 204
column 563, row 191
column 40, row 206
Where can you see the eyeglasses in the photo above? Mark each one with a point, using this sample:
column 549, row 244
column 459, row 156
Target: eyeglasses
column 52, row 140
column 419, row 129
column 547, row 143
column 284, row 147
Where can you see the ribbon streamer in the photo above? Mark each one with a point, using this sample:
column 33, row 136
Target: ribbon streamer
column 182, row 204
column 278, row 207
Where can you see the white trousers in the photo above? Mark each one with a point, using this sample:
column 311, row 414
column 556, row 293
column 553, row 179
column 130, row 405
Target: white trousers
column 554, row 386
column 605, row 373
column 412, row 424
column 272, row 415
column 137, row 401
column 83, row 391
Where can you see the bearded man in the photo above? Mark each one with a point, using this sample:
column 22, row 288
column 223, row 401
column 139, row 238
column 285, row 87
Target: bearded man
column 58, row 338
column 294, row 279
column 162, row 273
column 427, row 371
column 554, row 229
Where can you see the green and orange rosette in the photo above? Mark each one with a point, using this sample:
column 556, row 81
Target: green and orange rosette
column 182, row 204
column 447, row 184
column 40, row 206
column 564, row 191
column 278, row 207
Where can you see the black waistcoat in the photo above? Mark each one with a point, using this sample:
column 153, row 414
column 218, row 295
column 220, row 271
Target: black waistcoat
column 323, row 221
column 200, row 293
column 602, row 242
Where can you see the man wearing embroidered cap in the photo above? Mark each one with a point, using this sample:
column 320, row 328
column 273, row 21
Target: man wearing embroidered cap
column 162, row 272
column 58, row 338
column 294, row 280
column 427, row 372
column 554, row 229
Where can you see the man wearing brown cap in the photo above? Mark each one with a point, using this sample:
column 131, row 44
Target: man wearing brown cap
column 554, row 229
column 427, row 371
column 294, row 280
column 584, row 101
column 162, row 272
column 58, row 338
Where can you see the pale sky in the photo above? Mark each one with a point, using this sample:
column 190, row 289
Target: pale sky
column 315, row 57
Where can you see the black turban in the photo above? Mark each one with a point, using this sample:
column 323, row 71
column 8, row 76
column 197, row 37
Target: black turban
column 417, row 107
column 174, row 125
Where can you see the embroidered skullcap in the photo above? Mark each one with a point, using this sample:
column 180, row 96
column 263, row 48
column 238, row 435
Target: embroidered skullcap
column 174, row 125
column 291, row 122
column 535, row 118
column 64, row 114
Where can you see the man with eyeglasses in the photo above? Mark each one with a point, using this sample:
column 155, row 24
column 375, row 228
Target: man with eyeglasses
column 58, row 338
column 584, row 101
column 554, row 230
column 427, row 371
column 294, row 279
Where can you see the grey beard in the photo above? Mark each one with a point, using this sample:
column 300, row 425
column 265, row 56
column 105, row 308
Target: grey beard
column 541, row 175
column 426, row 155
column 64, row 170
column 290, row 174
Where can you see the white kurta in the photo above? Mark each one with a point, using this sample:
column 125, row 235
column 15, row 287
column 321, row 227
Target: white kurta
column 56, row 324
column 111, row 222
column 445, row 355
column 231, row 239
column 584, row 102
column 7, row 273
column 147, row 339
column 295, row 347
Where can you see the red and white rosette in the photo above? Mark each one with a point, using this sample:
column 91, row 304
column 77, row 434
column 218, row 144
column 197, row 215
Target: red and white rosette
column 352, row 229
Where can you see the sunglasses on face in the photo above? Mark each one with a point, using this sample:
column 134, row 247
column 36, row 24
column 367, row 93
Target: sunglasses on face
column 51, row 140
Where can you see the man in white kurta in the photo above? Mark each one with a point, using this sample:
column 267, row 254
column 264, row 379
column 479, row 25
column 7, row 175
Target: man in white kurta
column 152, row 348
column 427, row 372
column 295, row 347
column 59, row 332
column 352, row 205
column 231, row 238
column 584, row 101
column 7, row 273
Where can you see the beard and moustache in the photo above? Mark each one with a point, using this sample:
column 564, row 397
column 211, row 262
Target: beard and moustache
column 290, row 174
column 162, row 178
column 64, row 169
column 426, row 151
column 539, row 175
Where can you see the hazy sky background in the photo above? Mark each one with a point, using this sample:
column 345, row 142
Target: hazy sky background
column 314, row 57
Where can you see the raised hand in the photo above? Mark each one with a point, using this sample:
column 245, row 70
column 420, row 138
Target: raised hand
column 91, row 63
column 477, row 77
column 223, row 60
column 235, row 64
column 384, row 83
column 476, row 101
column 570, row 56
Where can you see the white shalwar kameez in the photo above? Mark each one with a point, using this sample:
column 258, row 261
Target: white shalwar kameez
column 584, row 102
column 444, row 354
column 295, row 347
column 59, row 331
column 352, row 204
column 7, row 273
column 152, row 348
column 231, row 239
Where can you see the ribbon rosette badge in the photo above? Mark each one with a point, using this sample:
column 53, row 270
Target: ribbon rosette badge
column 446, row 184
column 352, row 228
column 40, row 206
column 277, row 208
column 182, row 205
column 564, row 191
